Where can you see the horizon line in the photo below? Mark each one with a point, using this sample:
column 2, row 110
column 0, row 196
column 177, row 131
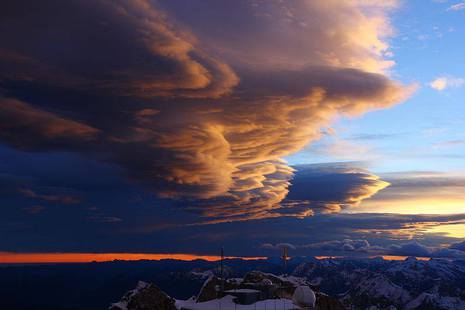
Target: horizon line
column 80, row 257
column 89, row 257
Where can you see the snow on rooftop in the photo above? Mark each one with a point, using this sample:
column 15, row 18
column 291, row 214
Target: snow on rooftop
column 203, row 274
column 296, row 281
column 243, row 290
column 227, row 303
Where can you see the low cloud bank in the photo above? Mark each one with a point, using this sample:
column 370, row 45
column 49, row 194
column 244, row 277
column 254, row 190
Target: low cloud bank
column 362, row 246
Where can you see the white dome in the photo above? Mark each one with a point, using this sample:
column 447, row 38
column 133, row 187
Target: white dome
column 304, row 297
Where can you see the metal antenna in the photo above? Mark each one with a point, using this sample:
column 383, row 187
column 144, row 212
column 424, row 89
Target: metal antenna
column 221, row 270
column 285, row 257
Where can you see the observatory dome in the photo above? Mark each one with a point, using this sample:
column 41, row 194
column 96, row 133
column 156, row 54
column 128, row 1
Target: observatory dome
column 304, row 297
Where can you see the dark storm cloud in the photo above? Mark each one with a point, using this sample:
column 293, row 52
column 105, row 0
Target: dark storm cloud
column 122, row 47
column 198, row 109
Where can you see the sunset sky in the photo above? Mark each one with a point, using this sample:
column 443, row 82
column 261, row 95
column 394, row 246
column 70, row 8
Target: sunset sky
column 176, row 127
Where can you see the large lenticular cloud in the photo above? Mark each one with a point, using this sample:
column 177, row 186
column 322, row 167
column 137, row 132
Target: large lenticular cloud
column 200, row 100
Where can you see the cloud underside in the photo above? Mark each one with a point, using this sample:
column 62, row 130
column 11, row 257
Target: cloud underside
column 196, row 116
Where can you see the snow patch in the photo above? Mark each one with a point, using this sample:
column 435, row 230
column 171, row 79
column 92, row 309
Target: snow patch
column 227, row 303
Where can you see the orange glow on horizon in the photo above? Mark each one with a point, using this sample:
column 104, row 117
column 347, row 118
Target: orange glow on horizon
column 397, row 257
column 34, row 258
column 30, row 258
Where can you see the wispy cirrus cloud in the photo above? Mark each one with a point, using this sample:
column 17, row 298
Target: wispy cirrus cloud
column 457, row 7
column 27, row 127
column 35, row 209
column 104, row 219
column 449, row 143
column 49, row 197
column 445, row 82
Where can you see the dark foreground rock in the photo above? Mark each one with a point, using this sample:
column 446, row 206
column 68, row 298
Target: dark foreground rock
column 208, row 290
column 145, row 297
column 149, row 297
column 325, row 302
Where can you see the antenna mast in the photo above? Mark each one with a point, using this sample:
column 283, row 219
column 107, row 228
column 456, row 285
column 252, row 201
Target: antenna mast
column 285, row 257
column 221, row 270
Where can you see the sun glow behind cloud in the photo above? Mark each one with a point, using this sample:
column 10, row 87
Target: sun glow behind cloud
column 419, row 193
column 434, row 205
column 449, row 230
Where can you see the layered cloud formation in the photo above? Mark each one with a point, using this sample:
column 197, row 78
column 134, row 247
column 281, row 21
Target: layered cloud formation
column 330, row 188
column 199, row 101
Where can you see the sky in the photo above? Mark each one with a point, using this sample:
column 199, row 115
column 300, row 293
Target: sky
column 177, row 127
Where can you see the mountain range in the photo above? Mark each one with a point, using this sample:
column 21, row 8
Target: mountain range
column 371, row 283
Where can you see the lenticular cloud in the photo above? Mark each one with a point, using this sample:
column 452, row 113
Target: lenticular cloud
column 199, row 100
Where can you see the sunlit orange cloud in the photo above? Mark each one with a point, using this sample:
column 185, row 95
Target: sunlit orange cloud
column 395, row 257
column 326, row 257
column 25, row 258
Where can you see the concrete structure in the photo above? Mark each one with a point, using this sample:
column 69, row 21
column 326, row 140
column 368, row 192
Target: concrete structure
column 244, row 296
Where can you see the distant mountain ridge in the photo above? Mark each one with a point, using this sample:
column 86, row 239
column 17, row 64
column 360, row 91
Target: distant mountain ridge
column 358, row 283
column 379, row 284
column 276, row 292
column 373, row 284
